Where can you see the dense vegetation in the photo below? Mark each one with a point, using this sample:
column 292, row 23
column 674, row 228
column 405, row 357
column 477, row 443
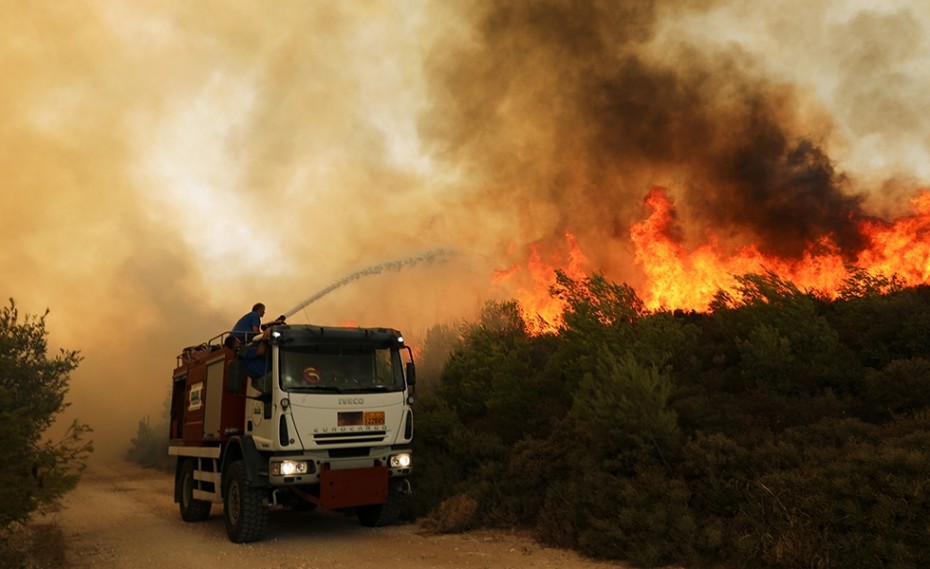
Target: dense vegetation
column 779, row 429
column 33, row 472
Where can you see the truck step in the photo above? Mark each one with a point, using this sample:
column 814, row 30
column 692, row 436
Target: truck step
column 208, row 496
column 213, row 477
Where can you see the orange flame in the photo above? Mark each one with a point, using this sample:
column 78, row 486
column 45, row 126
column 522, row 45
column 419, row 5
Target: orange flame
column 530, row 283
column 903, row 247
column 676, row 278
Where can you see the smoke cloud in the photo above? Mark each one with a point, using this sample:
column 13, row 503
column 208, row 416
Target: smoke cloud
column 168, row 164
column 582, row 105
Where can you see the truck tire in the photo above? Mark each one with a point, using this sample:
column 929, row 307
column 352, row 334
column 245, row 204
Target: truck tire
column 380, row 515
column 192, row 510
column 245, row 511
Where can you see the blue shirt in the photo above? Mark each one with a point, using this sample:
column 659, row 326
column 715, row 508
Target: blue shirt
column 243, row 328
column 255, row 365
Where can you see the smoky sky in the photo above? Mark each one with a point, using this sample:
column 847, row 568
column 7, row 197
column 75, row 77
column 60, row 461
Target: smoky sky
column 569, row 103
column 168, row 164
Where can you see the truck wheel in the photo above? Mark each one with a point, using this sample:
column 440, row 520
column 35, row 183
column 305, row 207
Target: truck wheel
column 246, row 513
column 192, row 510
column 379, row 515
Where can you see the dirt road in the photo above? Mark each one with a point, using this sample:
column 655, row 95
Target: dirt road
column 123, row 516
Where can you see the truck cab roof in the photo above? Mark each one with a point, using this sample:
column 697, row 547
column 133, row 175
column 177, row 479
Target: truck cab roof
column 314, row 334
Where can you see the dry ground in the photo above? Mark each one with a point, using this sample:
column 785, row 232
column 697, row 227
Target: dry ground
column 123, row 516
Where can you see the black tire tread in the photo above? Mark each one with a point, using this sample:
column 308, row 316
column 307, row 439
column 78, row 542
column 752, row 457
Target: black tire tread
column 250, row 523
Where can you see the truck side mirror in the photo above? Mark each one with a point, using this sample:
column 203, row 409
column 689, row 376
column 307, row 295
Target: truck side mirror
column 411, row 374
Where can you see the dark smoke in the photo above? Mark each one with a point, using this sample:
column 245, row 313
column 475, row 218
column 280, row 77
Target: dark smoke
column 565, row 102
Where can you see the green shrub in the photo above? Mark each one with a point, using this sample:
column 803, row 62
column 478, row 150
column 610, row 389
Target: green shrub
column 644, row 519
column 33, row 385
column 535, row 467
column 858, row 499
column 622, row 409
column 902, row 388
column 149, row 448
column 452, row 458
column 781, row 430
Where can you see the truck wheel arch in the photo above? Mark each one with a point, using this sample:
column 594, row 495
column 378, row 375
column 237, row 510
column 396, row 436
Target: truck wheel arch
column 244, row 449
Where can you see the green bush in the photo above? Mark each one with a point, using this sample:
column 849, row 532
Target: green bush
column 34, row 473
column 900, row 389
column 149, row 448
column 622, row 410
column 455, row 457
column 643, row 518
column 859, row 505
column 536, row 466
column 770, row 432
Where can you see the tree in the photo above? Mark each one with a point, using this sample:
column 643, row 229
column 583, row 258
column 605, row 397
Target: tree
column 33, row 386
column 149, row 448
column 491, row 354
column 623, row 410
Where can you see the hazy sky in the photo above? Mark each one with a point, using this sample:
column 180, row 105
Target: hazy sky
column 169, row 163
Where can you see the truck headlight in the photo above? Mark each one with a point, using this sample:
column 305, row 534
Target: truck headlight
column 401, row 460
column 288, row 467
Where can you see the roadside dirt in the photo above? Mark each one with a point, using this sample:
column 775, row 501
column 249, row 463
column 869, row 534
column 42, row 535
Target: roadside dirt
column 121, row 515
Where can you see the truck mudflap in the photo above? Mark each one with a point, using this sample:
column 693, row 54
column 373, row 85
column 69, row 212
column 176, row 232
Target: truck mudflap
column 353, row 487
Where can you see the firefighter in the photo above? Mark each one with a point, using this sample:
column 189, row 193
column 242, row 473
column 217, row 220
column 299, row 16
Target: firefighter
column 250, row 324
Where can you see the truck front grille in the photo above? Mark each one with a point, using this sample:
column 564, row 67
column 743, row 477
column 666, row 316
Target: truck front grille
column 353, row 437
column 350, row 452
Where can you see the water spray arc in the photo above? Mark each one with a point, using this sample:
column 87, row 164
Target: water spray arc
column 435, row 256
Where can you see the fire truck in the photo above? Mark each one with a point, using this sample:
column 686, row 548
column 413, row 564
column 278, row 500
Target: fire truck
column 326, row 421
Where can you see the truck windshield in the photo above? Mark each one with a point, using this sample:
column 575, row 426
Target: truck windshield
column 340, row 368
